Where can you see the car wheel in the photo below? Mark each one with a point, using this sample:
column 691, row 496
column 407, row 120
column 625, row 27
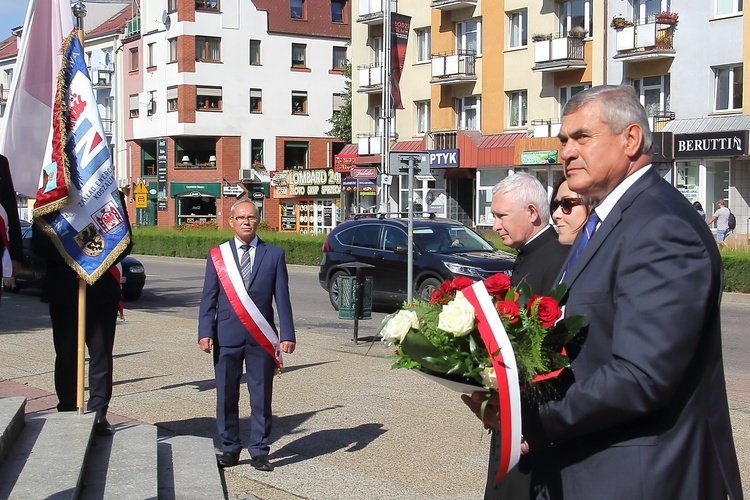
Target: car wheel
column 333, row 289
column 427, row 287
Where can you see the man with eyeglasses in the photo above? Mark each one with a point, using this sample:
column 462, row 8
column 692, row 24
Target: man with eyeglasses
column 521, row 211
column 244, row 276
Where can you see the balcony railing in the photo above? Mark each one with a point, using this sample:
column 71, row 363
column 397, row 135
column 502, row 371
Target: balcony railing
column 453, row 67
column 371, row 11
column 369, row 144
column 659, row 119
column 108, row 125
column 545, row 127
column 452, row 4
column 4, row 95
column 101, row 77
column 649, row 40
column 370, row 78
column 445, row 139
column 558, row 53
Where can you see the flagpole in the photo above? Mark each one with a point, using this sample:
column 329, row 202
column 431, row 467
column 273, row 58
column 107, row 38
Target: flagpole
column 79, row 11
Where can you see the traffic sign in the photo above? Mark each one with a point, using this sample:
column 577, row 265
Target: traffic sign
column 235, row 190
column 141, row 200
column 400, row 161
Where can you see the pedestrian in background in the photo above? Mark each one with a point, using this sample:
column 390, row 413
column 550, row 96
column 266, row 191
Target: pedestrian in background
column 11, row 245
column 699, row 209
column 244, row 276
column 721, row 217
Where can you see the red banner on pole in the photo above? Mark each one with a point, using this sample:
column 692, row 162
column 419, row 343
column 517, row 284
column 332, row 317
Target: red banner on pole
column 399, row 37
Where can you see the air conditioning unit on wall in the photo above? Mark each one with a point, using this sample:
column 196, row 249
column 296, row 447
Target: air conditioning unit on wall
column 246, row 174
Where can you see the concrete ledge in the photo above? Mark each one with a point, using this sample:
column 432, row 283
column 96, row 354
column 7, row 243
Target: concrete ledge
column 11, row 422
column 188, row 470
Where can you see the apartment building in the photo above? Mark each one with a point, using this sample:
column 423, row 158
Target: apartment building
column 227, row 97
column 484, row 84
column 691, row 83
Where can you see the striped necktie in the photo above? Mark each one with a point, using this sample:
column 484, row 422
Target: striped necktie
column 246, row 267
column 588, row 231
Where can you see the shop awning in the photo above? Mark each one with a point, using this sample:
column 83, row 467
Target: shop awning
column 410, row 146
column 712, row 124
column 195, row 189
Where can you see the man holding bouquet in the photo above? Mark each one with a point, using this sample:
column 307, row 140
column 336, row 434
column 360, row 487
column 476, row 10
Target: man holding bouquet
column 646, row 414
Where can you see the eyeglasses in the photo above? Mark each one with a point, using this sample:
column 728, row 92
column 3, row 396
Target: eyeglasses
column 245, row 218
column 565, row 204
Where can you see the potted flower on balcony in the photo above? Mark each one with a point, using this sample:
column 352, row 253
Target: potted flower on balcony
column 667, row 18
column 577, row 32
column 619, row 22
column 258, row 165
column 539, row 37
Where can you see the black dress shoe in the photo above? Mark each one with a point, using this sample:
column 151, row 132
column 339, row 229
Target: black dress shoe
column 102, row 427
column 261, row 463
column 228, row 459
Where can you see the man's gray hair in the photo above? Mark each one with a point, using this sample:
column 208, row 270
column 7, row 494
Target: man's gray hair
column 619, row 106
column 240, row 202
column 525, row 189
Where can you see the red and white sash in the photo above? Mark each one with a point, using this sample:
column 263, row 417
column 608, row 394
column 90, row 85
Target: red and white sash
column 498, row 344
column 230, row 278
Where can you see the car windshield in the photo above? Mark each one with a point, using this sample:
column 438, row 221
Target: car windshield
column 450, row 239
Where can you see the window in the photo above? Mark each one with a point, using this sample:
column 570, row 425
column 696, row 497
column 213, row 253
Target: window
column 575, row 13
column 376, row 43
column 423, row 117
column 171, row 99
column 151, row 106
column 467, row 113
column 150, row 48
column 727, row 7
column 298, row 55
column 653, row 92
column 567, row 92
column 256, row 151
column 338, row 102
column 469, row 36
column 295, row 154
column 339, row 58
column 134, row 59
column 299, row 102
column 728, row 88
column 255, row 52
column 517, row 29
column 206, row 4
column 208, row 48
column 337, row 11
column 297, row 9
column 134, row 111
column 517, row 109
column 423, row 44
column 256, row 101
column 172, row 49
column 209, row 98
column 171, row 5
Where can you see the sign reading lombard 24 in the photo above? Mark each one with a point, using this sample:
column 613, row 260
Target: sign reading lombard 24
column 732, row 143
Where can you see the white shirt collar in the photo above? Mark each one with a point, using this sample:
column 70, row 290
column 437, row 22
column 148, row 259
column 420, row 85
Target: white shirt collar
column 238, row 242
column 608, row 203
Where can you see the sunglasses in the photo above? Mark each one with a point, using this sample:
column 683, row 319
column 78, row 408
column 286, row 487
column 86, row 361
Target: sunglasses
column 565, row 204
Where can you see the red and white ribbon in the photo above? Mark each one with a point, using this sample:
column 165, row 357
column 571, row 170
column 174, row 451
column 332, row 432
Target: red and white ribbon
column 498, row 344
column 230, row 278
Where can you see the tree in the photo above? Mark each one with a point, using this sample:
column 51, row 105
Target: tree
column 342, row 118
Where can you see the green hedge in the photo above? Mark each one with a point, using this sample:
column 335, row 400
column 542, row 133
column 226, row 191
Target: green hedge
column 307, row 249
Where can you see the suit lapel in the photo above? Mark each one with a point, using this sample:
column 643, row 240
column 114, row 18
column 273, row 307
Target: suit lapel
column 610, row 223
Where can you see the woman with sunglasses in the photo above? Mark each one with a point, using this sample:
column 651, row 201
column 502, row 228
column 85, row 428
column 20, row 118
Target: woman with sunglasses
column 569, row 211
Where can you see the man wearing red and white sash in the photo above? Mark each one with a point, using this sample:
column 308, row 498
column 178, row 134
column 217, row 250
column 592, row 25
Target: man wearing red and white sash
column 244, row 276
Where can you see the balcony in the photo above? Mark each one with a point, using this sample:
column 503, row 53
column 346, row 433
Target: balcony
column 3, row 94
column 546, row 127
column 453, row 67
column 108, row 125
column 370, row 78
column 452, row 4
column 371, row 11
column 558, row 53
column 368, row 144
column 652, row 40
column 444, row 139
column 659, row 119
column 102, row 77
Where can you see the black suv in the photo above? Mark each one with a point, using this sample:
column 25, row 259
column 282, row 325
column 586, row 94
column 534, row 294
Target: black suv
column 443, row 249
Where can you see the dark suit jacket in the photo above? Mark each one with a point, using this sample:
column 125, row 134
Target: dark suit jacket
column 8, row 201
column 539, row 262
column 268, row 281
column 646, row 416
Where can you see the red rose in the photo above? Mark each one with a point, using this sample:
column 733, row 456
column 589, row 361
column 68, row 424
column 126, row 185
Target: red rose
column 508, row 310
column 547, row 310
column 438, row 297
column 498, row 285
column 461, row 282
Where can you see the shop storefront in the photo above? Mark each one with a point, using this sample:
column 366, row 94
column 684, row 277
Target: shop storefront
column 195, row 203
column 309, row 200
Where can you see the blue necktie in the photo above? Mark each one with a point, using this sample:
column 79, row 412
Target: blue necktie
column 588, row 231
column 245, row 266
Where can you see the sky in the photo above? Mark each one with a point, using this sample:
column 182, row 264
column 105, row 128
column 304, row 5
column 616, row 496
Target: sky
column 12, row 14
